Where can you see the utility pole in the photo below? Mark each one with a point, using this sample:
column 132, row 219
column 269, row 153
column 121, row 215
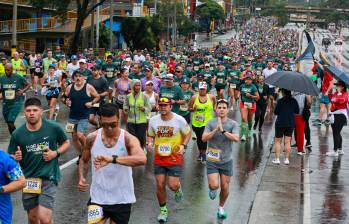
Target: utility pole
column 97, row 27
column 92, row 37
column 111, row 25
column 175, row 24
column 14, row 28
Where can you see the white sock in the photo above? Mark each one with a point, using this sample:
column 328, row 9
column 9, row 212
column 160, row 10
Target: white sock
column 221, row 209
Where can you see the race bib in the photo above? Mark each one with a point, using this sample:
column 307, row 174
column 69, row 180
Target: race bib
column 96, row 105
column 232, row 86
column 214, row 155
column 53, row 83
column 184, row 107
column 37, row 70
column 10, row 94
column 94, row 214
column 33, row 186
column 121, row 98
column 199, row 117
column 220, row 80
column 164, row 150
column 247, row 105
column 110, row 74
column 69, row 128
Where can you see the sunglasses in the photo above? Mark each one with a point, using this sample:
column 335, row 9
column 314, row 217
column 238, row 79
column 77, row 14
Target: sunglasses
column 164, row 100
column 178, row 71
column 109, row 125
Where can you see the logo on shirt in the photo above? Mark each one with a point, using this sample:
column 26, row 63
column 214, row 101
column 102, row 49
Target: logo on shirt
column 38, row 148
column 164, row 131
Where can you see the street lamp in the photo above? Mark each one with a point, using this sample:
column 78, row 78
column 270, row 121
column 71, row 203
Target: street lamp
column 14, row 28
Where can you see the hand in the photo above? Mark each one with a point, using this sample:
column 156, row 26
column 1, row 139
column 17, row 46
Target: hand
column 181, row 149
column 219, row 124
column 18, row 154
column 265, row 97
column 248, row 95
column 326, row 94
column 19, row 92
column 49, row 155
column 173, row 101
column 102, row 161
column 82, row 185
column 141, row 108
column 150, row 146
column 89, row 104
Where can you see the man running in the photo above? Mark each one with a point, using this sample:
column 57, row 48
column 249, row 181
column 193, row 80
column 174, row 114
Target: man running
column 113, row 152
column 171, row 134
column 38, row 155
column 220, row 133
column 12, row 88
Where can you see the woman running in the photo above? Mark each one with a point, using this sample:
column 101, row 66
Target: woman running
column 52, row 82
column 122, row 87
column 262, row 103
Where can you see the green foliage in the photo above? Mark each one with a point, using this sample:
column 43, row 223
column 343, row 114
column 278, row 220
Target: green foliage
column 277, row 8
column 187, row 26
column 60, row 6
column 103, row 36
column 210, row 10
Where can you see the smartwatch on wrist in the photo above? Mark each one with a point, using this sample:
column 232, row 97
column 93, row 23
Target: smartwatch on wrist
column 184, row 146
column 114, row 159
column 58, row 154
column 223, row 132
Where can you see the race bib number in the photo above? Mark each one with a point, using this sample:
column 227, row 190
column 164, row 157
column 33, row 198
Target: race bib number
column 53, row 83
column 96, row 105
column 94, row 214
column 10, row 94
column 184, row 107
column 247, row 105
column 121, row 98
column 110, row 74
column 33, row 186
column 69, row 128
column 164, row 150
column 199, row 117
column 220, row 81
column 37, row 70
column 214, row 155
column 232, row 86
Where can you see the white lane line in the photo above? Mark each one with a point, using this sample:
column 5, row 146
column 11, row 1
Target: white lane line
column 306, row 188
column 69, row 163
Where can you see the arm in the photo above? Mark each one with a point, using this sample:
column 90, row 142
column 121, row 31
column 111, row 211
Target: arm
column 191, row 103
column 93, row 93
column 208, row 135
column 330, row 87
column 232, row 136
column 213, row 98
column 14, row 185
column 85, row 160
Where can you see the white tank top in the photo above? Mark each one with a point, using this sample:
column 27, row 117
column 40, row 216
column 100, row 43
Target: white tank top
column 112, row 184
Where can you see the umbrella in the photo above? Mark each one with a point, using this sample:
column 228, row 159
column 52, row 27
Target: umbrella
column 294, row 81
column 338, row 74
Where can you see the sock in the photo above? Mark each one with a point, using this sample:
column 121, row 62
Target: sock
column 163, row 206
column 243, row 128
column 249, row 125
column 221, row 209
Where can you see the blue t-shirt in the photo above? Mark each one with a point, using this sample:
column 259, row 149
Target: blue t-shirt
column 9, row 171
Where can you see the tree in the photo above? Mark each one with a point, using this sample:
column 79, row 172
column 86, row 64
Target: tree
column 83, row 8
column 103, row 36
column 208, row 11
column 277, row 8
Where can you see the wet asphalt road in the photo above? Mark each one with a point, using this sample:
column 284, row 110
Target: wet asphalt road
column 249, row 161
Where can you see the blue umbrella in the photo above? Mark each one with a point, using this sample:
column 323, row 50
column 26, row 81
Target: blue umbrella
column 338, row 74
column 294, row 81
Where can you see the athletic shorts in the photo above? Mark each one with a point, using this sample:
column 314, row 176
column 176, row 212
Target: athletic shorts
column 324, row 99
column 48, row 98
column 283, row 131
column 251, row 110
column 272, row 91
column 236, row 88
column 94, row 110
column 111, row 82
column 219, row 87
column 39, row 74
column 187, row 118
column 173, row 171
column 119, row 105
column 119, row 213
column 11, row 110
column 45, row 199
column 80, row 125
column 221, row 168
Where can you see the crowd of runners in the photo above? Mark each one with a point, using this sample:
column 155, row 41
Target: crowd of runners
column 127, row 106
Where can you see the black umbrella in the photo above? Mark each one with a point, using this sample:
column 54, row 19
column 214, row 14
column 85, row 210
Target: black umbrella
column 294, row 81
column 338, row 74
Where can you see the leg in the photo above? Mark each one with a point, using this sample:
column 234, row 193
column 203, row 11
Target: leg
column 93, row 119
column 33, row 215
column 223, row 196
column 213, row 181
column 161, row 189
column 322, row 111
column 141, row 133
column 173, row 183
column 52, row 104
column 307, row 132
column 131, row 128
column 257, row 115
column 250, row 115
column 277, row 147
column 45, row 215
column 262, row 115
column 11, row 127
column 287, row 145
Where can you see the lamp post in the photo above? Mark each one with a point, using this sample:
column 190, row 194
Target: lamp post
column 14, row 28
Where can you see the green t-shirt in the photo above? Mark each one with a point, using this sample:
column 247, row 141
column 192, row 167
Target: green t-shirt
column 9, row 86
column 87, row 73
column 184, row 109
column 46, row 63
column 220, row 77
column 33, row 144
column 188, row 73
column 178, row 80
column 110, row 70
column 252, row 89
column 234, row 76
column 175, row 93
column 57, row 55
column 134, row 76
column 208, row 75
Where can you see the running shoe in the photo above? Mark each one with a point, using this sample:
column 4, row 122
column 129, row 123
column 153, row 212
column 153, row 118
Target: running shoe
column 317, row 122
column 162, row 217
column 276, row 161
column 250, row 133
column 332, row 153
column 340, row 152
column 221, row 214
column 212, row 194
column 260, row 129
column 286, row 162
column 203, row 160
column 326, row 122
column 308, row 145
column 199, row 159
column 301, row 153
column 294, row 146
column 243, row 138
column 254, row 127
column 178, row 195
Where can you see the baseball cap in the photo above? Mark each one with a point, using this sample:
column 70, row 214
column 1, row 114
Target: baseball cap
column 219, row 63
column 82, row 60
column 207, row 65
column 164, row 101
column 200, row 76
column 169, row 76
column 52, row 66
column 248, row 75
column 149, row 82
column 96, row 67
column 186, row 81
column 202, row 85
column 128, row 59
column 148, row 67
column 74, row 57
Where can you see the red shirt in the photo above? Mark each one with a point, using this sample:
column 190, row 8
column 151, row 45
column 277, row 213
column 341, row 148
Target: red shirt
column 314, row 68
column 339, row 101
column 171, row 65
column 326, row 82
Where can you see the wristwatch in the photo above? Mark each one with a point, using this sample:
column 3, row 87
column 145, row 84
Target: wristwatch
column 58, row 154
column 184, row 146
column 114, row 159
column 1, row 189
column 223, row 132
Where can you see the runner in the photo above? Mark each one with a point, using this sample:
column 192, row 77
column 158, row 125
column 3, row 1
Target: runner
column 249, row 96
column 11, row 180
column 113, row 152
column 12, row 87
column 220, row 133
column 171, row 134
column 268, row 71
column 262, row 103
column 220, row 80
column 137, row 107
column 153, row 99
column 51, row 89
column 38, row 155
column 172, row 92
column 49, row 60
column 234, row 84
column 73, row 65
column 110, row 72
column 201, row 105
column 187, row 95
column 80, row 97
column 18, row 64
column 122, row 87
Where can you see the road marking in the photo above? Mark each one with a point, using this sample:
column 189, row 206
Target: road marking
column 306, row 188
column 69, row 163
